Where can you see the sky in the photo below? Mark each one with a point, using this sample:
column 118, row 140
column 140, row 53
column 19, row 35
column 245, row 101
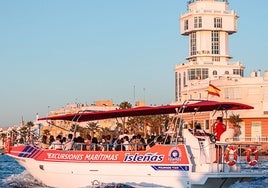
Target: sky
column 53, row 53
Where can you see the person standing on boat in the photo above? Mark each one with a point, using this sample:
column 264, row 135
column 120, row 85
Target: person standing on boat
column 219, row 128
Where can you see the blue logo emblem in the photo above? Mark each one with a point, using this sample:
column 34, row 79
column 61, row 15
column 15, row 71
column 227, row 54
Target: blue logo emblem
column 174, row 155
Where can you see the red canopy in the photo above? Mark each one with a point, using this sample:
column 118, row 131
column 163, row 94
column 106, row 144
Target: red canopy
column 152, row 110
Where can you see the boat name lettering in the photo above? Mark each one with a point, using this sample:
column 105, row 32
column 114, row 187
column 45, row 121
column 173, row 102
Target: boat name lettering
column 102, row 157
column 148, row 157
column 64, row 156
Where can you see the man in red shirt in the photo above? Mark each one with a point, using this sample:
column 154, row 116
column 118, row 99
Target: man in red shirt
column 219, row 128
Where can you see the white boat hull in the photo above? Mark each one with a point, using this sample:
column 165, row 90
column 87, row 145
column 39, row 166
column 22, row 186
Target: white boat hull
column 76, row 169
column 76, row 175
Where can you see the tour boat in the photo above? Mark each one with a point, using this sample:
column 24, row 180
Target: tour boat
column 188, row 160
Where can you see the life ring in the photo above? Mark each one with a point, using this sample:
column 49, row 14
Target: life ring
column 7, row 145
column 255, row 152
column 227, row 152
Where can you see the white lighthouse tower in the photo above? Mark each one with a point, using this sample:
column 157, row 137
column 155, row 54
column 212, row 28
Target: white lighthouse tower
column 208, row 24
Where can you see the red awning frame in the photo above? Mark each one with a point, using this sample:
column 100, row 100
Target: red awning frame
column 187, row 107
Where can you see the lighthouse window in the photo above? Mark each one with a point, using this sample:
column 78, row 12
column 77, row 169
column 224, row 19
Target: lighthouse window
column 193, row 43
column 197, row 74
column 186, row 25
column 198, row 22
column 184, row 79
column 216, row 58
column 217, row 22
column 204, row 73
column 191, row 74
column 215, row 42
column 238, row 72
column 179, row 86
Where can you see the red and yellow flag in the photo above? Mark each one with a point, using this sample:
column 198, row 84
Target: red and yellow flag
column 213, row 90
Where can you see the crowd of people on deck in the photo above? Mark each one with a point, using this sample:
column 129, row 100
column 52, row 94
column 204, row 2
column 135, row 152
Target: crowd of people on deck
column 126, row 141
column 123, row 142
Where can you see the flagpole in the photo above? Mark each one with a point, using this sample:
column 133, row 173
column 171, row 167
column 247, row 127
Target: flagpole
column 208, row 89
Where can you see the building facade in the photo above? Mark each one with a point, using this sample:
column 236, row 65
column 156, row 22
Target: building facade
column 208, row 24
column 64, row 127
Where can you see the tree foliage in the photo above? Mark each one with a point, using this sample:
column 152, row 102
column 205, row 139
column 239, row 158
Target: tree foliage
column 123, row 105
column 147, row 125
column 46, row 132
column 235, row 120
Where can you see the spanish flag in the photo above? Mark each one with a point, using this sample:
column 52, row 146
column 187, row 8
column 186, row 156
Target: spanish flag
column 212, row 90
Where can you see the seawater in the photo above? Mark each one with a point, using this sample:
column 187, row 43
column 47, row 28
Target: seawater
column 12, row 175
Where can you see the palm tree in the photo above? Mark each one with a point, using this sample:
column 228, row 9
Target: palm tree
column 156, row 123
column 136, row 123
column 92, row 126
column 124, row 105
column 29, row 125
column 235, row 120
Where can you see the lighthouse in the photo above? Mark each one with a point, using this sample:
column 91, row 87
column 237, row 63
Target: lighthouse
column 207, row 24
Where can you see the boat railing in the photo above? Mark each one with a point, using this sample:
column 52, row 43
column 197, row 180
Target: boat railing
column 240, row 148
column 237, row 157
column 163, row 139
column 108, row 147
column 251, row 139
